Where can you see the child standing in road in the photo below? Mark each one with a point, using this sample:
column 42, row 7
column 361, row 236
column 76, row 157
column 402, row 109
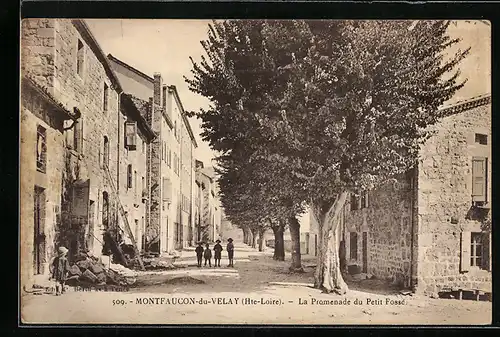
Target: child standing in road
column 60, row 268
column 207, row 254
column 218, row 253
column 199, row 254
column 230, row 252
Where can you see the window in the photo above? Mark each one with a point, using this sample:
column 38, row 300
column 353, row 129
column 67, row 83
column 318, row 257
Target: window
column 143, row 186
column 476, row 251
column 135, row 184
column 479, row 179
column 105, row 159
column 481, row 139
column 353, row 245
column 80, row 58
column 41, row 149
column 129, row 176
column 479, row 250
column 105, row 98
column 131, row 135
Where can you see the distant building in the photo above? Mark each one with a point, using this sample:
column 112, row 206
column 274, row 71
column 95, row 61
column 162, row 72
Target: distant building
column 172, row 179
column 210, row 207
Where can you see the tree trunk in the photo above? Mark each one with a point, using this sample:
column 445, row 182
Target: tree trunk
column 294, row 226
column 254, row 238
column 261, row 239
column 328, row 276
column 279, row 244
column 245, row 236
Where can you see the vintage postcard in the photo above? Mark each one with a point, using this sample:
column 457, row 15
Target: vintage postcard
column 255, row 172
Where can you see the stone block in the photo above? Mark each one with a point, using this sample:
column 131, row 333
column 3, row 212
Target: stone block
column 88, row 275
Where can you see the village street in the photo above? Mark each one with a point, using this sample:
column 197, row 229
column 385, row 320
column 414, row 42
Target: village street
column 227, row 292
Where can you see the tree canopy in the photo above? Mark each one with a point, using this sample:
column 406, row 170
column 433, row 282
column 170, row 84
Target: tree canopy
column 310, row 111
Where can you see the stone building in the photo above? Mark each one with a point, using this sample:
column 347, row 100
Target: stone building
column 135, row 138
column 183, row 146
column 42, row 158
column 81, row 174
column 426, row 229
column 171, row 182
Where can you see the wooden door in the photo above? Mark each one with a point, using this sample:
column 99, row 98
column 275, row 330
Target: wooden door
column 39, row 231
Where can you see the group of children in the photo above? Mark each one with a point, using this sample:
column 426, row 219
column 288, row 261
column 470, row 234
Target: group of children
column 207, row 253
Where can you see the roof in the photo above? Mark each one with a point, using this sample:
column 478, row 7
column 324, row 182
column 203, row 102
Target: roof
column 465, row 105
column 132, row 69
column 147, row 78
column 45, row 93
column 137, row 109
column 173, row 88
column 84, row 30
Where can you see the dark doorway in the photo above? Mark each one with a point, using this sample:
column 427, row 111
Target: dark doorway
column 39, row 231
column 353, row 245
column 365, row 252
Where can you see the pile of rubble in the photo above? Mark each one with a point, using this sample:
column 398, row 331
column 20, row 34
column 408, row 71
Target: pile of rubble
column 92, row 271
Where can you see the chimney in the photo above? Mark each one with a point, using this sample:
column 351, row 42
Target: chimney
column 157, row 84
column 164, row 98
column 151, row 112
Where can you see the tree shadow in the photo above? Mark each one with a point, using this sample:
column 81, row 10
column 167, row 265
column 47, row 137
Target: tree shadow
column 255, row 275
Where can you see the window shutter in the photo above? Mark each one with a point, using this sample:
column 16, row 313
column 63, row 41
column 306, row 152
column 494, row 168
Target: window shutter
column 465, row 251
column 131, row 135
column 486, row 254
column 479, row 179
column 167, row 189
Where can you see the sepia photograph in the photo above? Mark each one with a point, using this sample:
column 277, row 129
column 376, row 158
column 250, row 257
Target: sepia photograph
column 255, row 172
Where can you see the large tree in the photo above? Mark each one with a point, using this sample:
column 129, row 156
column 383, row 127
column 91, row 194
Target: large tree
column 343, row 105
column 356, row 98
column 234, row 77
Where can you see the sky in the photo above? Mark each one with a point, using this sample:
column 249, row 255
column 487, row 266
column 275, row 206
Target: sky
column 165, row 46
column 162, row 46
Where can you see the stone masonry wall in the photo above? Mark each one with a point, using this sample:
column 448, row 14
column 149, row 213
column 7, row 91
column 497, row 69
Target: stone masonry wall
column 387, row 222
column 54, row 66
column 32, row 107
column 444, row 201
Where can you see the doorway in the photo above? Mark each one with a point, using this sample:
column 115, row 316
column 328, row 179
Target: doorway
column 39, row 231
column 365, row 252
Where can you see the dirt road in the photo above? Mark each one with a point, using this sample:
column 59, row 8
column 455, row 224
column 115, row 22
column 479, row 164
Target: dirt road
column 243, row 295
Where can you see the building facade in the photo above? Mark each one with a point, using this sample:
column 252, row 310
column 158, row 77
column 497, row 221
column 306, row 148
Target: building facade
column 426, row 230
column 170, row 221
column 62, row 57
column 210, row 206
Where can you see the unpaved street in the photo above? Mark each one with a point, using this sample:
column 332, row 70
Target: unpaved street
column 243, row 295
